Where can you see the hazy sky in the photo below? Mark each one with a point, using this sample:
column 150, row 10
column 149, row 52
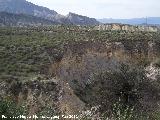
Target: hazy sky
column 104, row 8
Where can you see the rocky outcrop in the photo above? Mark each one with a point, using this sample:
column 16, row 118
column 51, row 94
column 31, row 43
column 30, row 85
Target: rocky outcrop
column 153, row 72
column 81, row 20
column 127, row 27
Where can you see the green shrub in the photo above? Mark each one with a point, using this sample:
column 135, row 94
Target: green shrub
column 129, row 84
column 10, row 109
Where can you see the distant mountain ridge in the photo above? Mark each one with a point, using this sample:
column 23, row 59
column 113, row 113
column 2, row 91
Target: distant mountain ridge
column 22, row 6
column 28, row 8
column 10, row 19
column 134, row 21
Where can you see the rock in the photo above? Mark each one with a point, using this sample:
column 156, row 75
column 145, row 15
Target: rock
column 127, row 27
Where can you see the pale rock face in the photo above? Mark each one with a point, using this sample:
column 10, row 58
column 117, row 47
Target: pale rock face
column 126, row 27
column 81, row 20
column 152, row 72
column 116, row 27
column 154, row 29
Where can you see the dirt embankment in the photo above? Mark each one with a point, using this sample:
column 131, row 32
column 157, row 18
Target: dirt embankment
column 74, row 71
column 83, row 59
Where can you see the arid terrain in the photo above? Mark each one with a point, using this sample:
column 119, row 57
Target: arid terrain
column 75, row 70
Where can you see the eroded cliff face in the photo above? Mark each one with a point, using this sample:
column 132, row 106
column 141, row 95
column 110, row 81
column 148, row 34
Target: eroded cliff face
column 82, row 59
column 127, row 27
column 75, row 70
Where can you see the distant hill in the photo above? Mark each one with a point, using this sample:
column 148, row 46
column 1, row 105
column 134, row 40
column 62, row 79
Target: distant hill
column 134, row 21
column 81, row 20
column 10, row 19
column 24, row 7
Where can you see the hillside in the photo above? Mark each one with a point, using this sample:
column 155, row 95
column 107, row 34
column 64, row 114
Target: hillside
column 66, row 69
column 81, row 20
column 24, row 7
column 9, row 19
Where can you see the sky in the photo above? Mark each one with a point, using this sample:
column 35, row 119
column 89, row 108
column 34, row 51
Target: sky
column 104, row 8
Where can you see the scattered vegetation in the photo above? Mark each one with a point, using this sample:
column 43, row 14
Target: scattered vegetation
column 10, row 110
column 123, row 94
column 26, row 52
